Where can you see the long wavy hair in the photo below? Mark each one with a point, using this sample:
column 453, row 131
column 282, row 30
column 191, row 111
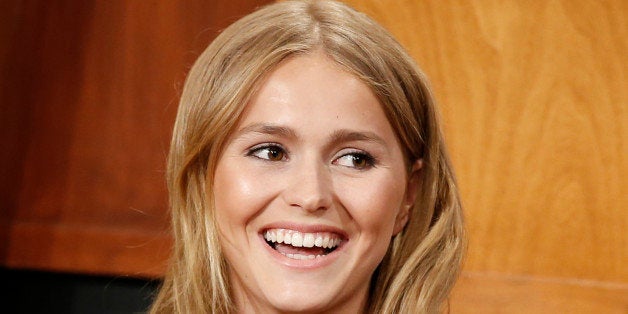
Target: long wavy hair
column 422, row 262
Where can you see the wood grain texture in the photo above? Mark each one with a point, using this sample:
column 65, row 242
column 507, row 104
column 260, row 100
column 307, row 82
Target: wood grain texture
column 534, row 100
column 91, row 89
column 89, row 248
column 495, row 293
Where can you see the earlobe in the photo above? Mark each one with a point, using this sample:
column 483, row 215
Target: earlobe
column 417, row 165
column 402, row 219
column 412, row 188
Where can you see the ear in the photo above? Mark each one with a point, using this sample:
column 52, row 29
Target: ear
column 409, row 198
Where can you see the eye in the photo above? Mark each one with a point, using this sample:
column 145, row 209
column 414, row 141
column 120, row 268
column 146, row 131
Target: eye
column 270, row 152
column 357, row 160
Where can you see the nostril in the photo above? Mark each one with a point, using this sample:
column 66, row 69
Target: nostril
column 310, row 205
column 310, row 187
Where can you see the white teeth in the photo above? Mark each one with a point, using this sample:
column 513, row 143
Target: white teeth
column 333, row 243
column 298, row 239
column 300, row 256
column 318, row 241
column 287, row 239
column 326, row 241
column 308, row 240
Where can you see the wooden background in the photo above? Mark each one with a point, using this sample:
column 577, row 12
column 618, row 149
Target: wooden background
column 88, row 93
column 534, row 98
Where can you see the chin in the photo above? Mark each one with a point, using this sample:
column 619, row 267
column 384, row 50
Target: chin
column 303, row 302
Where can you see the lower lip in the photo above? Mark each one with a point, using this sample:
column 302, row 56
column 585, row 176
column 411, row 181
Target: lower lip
column 306, row 264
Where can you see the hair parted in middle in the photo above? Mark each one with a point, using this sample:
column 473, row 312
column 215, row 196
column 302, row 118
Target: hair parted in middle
column 422, row 261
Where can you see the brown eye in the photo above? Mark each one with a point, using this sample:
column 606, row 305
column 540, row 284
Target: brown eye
column 358, row 161
column 274, row 154
column 270, row 153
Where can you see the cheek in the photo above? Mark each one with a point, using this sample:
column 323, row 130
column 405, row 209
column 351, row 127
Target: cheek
column 238, row 195
column 374, row 203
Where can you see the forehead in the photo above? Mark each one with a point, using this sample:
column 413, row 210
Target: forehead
column 311, row 91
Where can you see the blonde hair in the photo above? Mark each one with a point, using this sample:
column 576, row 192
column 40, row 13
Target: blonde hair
column 422, row 262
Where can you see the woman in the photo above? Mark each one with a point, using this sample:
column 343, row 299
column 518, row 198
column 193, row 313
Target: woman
column 307, row 173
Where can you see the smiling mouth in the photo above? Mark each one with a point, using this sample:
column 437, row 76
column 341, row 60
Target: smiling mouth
column 301, row 245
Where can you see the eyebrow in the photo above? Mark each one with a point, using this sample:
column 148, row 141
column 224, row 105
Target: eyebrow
column 265, row 128
column 343, row 136
column 339, row 136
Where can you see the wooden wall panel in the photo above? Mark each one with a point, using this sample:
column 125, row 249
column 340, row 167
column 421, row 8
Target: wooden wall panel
column 499, row 293
column 534, row 101
column 89, row 94
column 13, row 136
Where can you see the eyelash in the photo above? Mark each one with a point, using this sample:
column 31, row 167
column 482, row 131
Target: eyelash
column 253, row 151
column 369, row 160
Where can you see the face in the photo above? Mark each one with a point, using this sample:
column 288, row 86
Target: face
column 309, row 191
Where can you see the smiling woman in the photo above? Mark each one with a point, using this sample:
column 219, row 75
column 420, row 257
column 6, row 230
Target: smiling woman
column 307, row 173
column 310, row 190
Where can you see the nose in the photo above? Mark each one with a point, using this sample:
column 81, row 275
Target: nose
column 310, row 187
